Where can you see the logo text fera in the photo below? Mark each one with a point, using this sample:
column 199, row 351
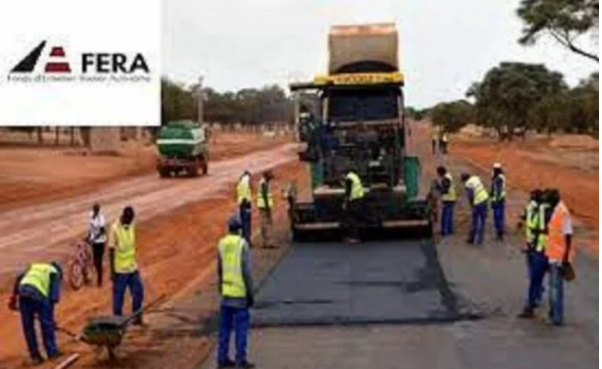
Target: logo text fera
column 113, row 63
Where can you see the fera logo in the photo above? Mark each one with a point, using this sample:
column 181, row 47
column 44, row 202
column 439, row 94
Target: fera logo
column 59, row 64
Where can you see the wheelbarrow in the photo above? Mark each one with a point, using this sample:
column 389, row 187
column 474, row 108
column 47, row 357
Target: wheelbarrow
column 107, row 331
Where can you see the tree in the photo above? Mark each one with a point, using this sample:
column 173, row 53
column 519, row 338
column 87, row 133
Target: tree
column 452, row 116
column 564, row 20
column 508, row 93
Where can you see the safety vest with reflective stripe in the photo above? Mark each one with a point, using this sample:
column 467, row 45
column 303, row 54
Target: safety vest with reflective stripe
column 125, row 250
column 260, row 201
column 498, row 196
column 243, row 189
column 230, row 253
column 38, row 276
column 451, row 192
column 530, row 220
column 479, row 192
column 541, row 228
column 555, row 247
column 357, row 190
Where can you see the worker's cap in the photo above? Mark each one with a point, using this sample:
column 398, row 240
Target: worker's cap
column 464, row 177
column 268, row 174
column 234, row 223
column 497, row 165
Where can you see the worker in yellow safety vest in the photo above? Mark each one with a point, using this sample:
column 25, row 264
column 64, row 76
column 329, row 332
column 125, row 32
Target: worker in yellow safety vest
column 236, row 291
column 265, row 204
column 35, row 293
column 448, row 200
column 537, row 215
column 124, row 269
column 477, row 198
column 560, row 253
column 498, row 199
column 353, row 204
column 244, row 200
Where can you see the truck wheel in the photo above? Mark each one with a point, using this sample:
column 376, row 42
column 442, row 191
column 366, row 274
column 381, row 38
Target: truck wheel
column 163, row 173
column 193, row 170
column 204, row 167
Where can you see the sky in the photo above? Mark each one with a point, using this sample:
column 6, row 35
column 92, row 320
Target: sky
column 445, row 45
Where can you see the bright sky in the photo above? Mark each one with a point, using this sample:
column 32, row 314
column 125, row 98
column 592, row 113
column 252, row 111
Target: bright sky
column 444, row 45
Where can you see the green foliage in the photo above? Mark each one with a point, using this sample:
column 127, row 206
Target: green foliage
column 452, row 116
column 509, row 92
column 246, row 106
column 564, row 20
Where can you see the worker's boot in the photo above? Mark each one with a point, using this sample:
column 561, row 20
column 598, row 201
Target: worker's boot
column 37, row 360
column 527, row 313
column 245, row 365
column 226, row 364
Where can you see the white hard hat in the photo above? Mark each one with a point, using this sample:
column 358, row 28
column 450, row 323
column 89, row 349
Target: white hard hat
column 497, row 166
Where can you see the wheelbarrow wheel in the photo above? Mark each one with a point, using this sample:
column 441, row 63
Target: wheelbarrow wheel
column 76, row 275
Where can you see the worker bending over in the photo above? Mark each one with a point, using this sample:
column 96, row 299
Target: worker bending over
column 477, row 198
column 236, row 291
column 498, row 200
column 124, row 270
column 265, row 204
column 244, row 200
column 560, row 254
column 353, row 205
column 35, row 293
column 537, row 215
column 97, row 238
column 448, row 200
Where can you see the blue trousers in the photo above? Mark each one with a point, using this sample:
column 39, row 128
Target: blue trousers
column 477, row 226
column 556, row 294
column 499, row 214
column 134, row 283
column 44, row 310
column 237, row 318
column 245, row 219
column 538, row 265
column 447, row 218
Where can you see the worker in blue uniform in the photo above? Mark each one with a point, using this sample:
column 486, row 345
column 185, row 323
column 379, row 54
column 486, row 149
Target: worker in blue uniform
column 35, row 293
column 498, row 199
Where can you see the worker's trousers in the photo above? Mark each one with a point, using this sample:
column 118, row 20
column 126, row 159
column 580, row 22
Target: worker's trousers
column 499, row 215
column 447, row 218
column 233, row 318
column 538, row 265
column 245, row 219
column 477, row 226
column 556, row 294
column 44, row 310
column 132, row 282
column 265, row 218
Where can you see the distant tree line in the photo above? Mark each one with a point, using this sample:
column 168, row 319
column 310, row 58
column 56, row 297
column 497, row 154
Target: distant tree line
column 248, row 106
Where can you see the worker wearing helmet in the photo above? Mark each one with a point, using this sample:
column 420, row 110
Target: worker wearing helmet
column 35, row 293
column 236, row 291
column 265, row 204
column 477, row 198
column 244, row 200
column 124, row 269
column 498, row 199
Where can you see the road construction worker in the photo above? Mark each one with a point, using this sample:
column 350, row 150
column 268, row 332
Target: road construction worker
column 448, row 201
column 443, row 143
column 560, row 253
column 97, row 239
column 124, row 270
column 265, row 204
column 236, row 291
column 244, row 200
column 537, row 215
column 353, row 205
column 498, row 199
column 35, row 293
column 477, row 198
